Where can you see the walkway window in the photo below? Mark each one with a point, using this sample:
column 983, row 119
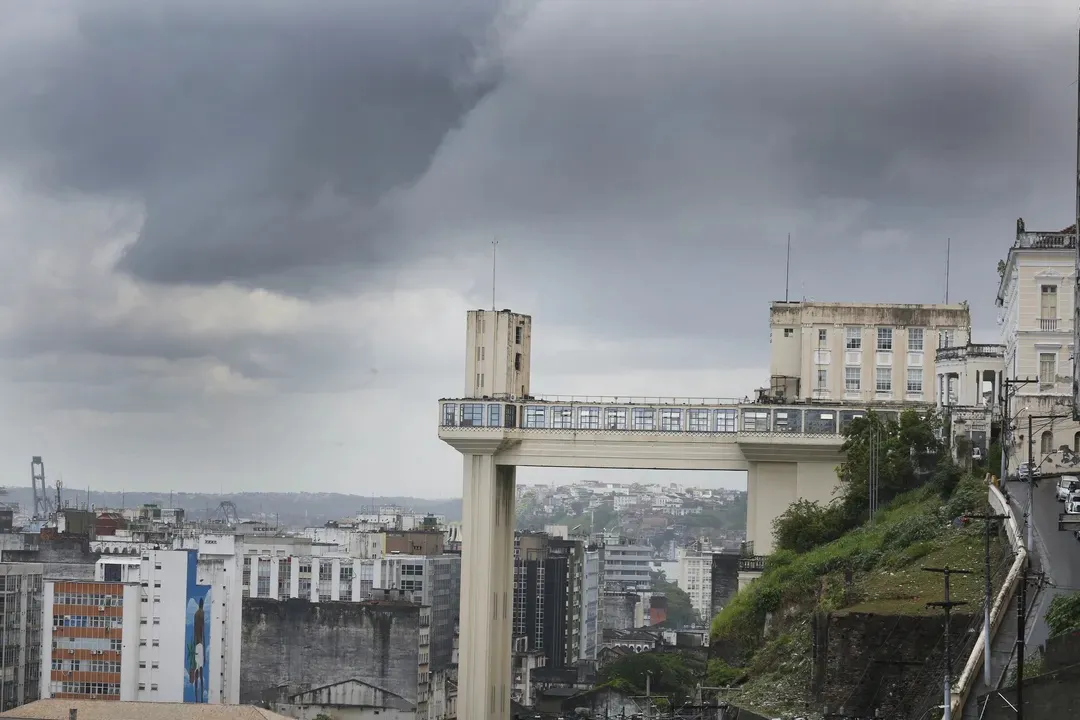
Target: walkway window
column 755, row 421
column 615, row 418
column 671, row 419
column 697, row 420
column 449, row 414
column 1047, row 442
column 726, row 420
column 562, row 417
column 510, row 420
column 644, row 419
column 787, row 420
column 535, row 416
column 472, row 415
column 494, row 415
column 821, row 422
column 589, row 418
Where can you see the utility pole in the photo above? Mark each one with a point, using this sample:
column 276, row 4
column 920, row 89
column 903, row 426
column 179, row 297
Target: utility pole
column 1006, row 420
column 947, row 605
column 1030, row 514
column 987, row 600
column 1021, row 628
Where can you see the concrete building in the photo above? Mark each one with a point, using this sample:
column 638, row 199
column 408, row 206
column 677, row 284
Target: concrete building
column 293, row 646
column 591, row 608
column 865, row 352
column 695, row 577
column 1036, row 310
column 969, row 386
column 154, row 628
column 547, row 596
column 627, row 565
column 499, row 358
column 21, row 594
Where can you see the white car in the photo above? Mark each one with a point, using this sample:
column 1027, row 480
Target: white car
column 1067, row 484
column 1072, row 505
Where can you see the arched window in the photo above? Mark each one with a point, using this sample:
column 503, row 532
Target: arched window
column 1076, row 443
column 1047, row 442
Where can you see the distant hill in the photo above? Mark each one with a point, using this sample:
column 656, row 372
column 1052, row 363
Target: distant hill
column 285, row 508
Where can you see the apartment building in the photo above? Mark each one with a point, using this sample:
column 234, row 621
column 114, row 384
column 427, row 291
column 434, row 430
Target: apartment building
column 860, row 352
column 154, row 628
column 21, row 593
column 627, row 565
column 1036, row 311
column 695, row 577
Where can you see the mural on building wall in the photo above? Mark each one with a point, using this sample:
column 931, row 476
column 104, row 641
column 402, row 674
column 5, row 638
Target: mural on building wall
column 196, row 635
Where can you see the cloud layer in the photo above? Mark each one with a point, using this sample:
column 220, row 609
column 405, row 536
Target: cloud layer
column 280, row 210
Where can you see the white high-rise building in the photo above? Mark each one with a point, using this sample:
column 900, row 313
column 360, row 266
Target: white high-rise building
column 695, row 578
column 163, row 627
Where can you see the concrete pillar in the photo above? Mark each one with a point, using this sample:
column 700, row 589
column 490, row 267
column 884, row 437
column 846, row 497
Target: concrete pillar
column 487, row 584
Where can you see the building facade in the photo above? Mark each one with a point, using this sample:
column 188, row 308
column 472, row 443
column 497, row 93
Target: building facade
column 695, row 578
column 1036, row 310
column 21, row 596
column 864, row 352
column 627, row 565
column 497, row 365
column 154, row 628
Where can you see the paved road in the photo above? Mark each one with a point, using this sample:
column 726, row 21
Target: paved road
column 1059, row 550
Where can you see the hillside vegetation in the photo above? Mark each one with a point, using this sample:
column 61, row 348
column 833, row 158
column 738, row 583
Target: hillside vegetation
column 832, row 559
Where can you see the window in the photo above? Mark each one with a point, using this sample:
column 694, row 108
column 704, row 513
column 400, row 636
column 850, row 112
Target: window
column 589, row 418
column 671, row 420
column 725, row 420
column 945, row 338
column 884, row 339
column 644, row 419
column 914, row 381
column 518, row 332
column 562, row 417
column 535, row 416
column 853, row 338
column 494, row 415
column 788, row 332
column 1047, row 370
column 697, row 420
column 755, row 421
column 822, row 336
column 852, row 379
column 883, row 380
column 1046, row 442
column 472, row 415
column 615, row 418
column 915, row 340
column 822, row 378
column 517, row 361
column 1048, row 305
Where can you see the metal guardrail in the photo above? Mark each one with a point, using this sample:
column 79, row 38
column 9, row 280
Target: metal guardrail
column 633, row 400
column 755, row 563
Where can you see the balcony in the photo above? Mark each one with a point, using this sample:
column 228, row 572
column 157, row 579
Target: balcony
column 1048, row 324
column 1064, row 240
column 962, row 352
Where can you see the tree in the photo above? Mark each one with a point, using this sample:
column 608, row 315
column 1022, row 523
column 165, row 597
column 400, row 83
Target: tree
column 900, row 443
column 668, row 673
column 807, row 524
column 1063, row 615
column 680, row 611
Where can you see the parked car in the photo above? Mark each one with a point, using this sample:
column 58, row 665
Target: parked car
column 1027, row 470
column 1067, row 484
column 1072, row 505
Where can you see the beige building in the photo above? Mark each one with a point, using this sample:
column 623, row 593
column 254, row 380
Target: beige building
column 861, row 352
column 1036, row 308
column 498, row 366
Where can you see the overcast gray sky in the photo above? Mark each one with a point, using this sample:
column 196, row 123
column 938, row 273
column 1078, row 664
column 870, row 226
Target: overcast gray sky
column 239, row 238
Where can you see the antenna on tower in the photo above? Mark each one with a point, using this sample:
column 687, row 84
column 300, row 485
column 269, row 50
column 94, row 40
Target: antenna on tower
column 948, row 256
column 787, row 269
column 494, row 248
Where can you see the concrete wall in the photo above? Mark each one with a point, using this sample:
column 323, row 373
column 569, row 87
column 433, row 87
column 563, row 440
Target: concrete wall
column 296, row 642
column 1050, row 695
column 619, row 610
column 861, row 661
column 725, row 580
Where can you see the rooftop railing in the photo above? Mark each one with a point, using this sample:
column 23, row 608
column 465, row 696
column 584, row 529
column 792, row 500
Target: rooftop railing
column 1045, row 240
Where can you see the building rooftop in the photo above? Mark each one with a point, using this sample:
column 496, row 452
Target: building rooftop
column 57, row 709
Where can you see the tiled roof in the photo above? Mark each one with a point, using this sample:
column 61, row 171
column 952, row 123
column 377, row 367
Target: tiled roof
column 57, row 709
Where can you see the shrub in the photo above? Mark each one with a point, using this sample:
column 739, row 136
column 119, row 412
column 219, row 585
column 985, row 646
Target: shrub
column 909, row 531
column 807, row 524
column 1063, row 614
column 969, row 496
column 946, row 477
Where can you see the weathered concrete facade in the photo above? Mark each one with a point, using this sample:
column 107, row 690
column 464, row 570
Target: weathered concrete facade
column 860, row 351
column 293, row 645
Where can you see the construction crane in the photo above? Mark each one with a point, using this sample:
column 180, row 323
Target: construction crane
column 43, row 506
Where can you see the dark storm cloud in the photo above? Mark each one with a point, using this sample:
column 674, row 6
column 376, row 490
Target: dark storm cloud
column 648, row 161
column 260, row 136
